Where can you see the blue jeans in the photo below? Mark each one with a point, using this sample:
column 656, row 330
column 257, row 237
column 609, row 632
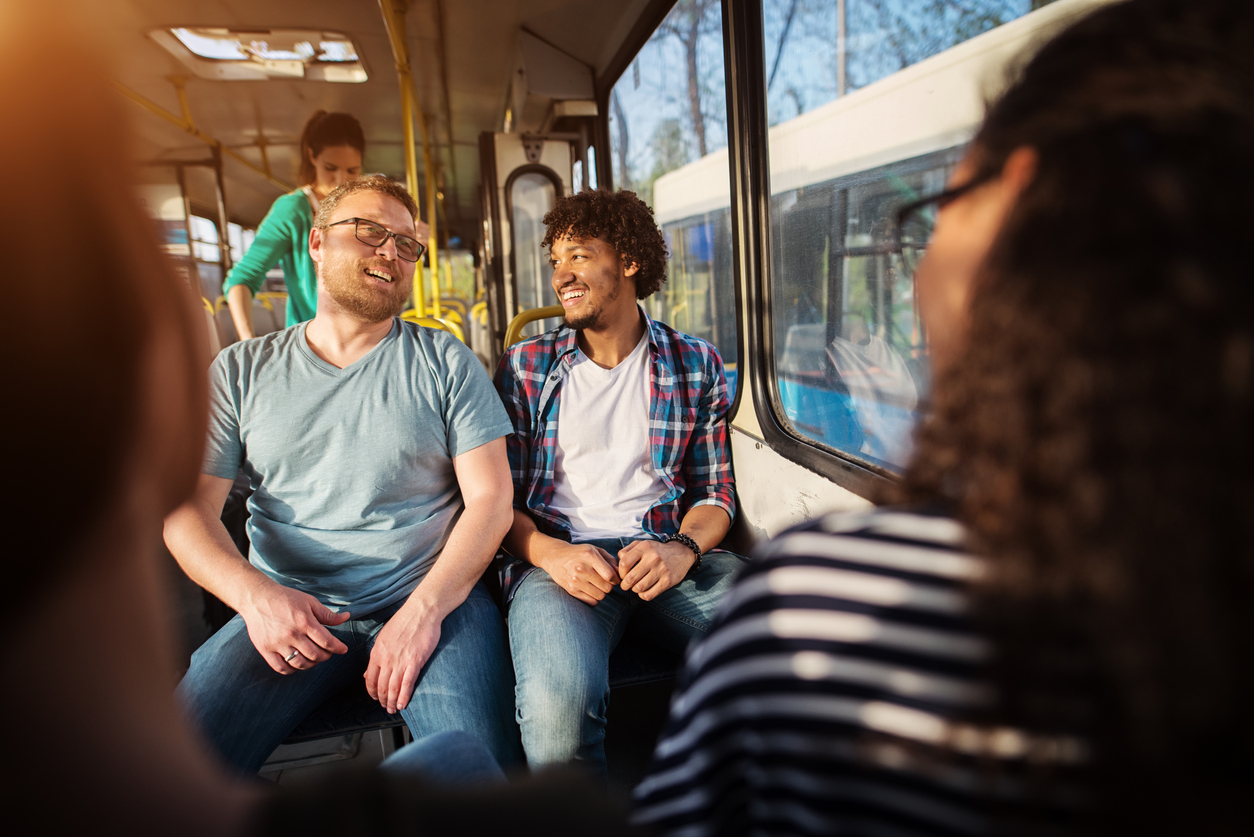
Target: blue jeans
column 446, row 758
column 561, row 649
column 246, row 709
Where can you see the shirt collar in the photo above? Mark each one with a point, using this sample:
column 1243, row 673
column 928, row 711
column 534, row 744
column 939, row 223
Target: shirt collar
column 567, row 341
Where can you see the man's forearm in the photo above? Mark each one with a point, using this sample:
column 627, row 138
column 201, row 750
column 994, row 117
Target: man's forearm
column 470, row 548
column 200, row 543
column 527, row 543
column 707, row 525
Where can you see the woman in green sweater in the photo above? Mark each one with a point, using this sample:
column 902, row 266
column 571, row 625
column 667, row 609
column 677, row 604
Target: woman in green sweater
column 331, row 147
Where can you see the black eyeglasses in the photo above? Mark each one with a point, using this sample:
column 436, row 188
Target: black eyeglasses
column 368, row 232
column 916, row 219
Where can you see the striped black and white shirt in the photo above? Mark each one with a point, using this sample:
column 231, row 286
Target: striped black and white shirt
column 831, row 693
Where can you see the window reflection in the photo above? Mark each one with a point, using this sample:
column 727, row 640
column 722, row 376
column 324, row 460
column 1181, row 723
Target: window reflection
column 852, row 141
column 851, row 358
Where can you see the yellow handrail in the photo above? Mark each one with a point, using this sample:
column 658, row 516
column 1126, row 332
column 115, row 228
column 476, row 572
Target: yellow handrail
column 479, row 312
column 513, row 333
column 185, row 122
column 452, row 328
column 455, row 330
column 454, row 303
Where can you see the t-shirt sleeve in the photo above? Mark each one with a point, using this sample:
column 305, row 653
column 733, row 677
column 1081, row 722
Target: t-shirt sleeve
column 473, row 412
column 224, row 451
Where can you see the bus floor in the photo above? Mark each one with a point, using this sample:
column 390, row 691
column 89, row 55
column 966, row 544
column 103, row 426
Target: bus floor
column 634, row 718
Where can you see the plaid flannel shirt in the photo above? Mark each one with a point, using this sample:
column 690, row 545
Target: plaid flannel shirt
column 687, row 429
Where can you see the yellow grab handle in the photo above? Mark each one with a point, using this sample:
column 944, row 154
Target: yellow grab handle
column 514, row 332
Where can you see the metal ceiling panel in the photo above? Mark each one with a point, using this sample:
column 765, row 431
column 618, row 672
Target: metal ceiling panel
column 462, row 54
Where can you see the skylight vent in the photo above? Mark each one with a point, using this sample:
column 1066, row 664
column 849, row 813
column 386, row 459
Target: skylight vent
column 237, row 55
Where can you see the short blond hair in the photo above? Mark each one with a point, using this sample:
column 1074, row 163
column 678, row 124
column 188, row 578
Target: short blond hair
column 369, row 183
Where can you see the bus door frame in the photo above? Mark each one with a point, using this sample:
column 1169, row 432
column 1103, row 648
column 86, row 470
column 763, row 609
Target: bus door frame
column 503, row 158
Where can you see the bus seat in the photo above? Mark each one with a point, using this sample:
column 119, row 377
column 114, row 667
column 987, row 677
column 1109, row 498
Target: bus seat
column 480, row 334
column 451, row 315
column 263, row 317
column 211, row 327
column 278, row 308
column 514, row 332
column 226, row 326
column 351, row 711
column 454, row 303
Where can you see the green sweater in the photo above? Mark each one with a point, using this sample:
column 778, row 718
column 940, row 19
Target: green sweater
column 282, row 239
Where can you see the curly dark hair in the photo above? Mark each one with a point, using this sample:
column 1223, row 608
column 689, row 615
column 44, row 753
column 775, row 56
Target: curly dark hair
column 1095, row 433
column 623, row 220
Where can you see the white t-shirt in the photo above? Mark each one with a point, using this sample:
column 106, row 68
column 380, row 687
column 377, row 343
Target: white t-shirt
column 604, row 480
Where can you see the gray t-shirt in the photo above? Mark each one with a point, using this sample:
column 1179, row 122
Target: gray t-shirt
column 354, row 493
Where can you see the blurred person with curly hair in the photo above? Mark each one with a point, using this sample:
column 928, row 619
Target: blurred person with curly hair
column 622, row 477
column 1050, row 631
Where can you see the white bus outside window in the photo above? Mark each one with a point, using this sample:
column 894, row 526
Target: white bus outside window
column 871, row 104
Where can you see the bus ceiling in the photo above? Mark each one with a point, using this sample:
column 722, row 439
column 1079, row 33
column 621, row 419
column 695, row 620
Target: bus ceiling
column 246, row 76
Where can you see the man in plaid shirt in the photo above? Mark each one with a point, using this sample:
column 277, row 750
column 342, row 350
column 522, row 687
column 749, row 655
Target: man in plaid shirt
column 622, row 477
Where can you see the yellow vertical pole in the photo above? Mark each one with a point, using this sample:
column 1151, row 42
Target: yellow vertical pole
column 411, row 177
column 394, row 22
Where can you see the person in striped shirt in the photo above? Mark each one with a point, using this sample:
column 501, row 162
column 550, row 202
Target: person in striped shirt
column 1052, row 629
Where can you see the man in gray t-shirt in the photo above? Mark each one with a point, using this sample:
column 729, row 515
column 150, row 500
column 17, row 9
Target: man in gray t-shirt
column 381, row 489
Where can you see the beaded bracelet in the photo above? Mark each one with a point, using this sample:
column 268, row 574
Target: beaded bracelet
column 691, row 544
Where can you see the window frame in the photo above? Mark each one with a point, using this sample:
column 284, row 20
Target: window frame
column 530, row 168
column 748, row 125
column 650, row 18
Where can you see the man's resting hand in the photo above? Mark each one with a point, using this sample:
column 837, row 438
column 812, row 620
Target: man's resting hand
column 650, row 568
column 585, row 571
column 400, row 651
column 281, row 620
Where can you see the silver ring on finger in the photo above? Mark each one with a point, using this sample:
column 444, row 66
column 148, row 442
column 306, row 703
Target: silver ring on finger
column 291, row 656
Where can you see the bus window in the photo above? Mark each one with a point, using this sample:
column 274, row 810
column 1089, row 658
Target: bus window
column 861, row 124
column 205, row 240
column 241, row 239
column 208, row 255
column 668, row 143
